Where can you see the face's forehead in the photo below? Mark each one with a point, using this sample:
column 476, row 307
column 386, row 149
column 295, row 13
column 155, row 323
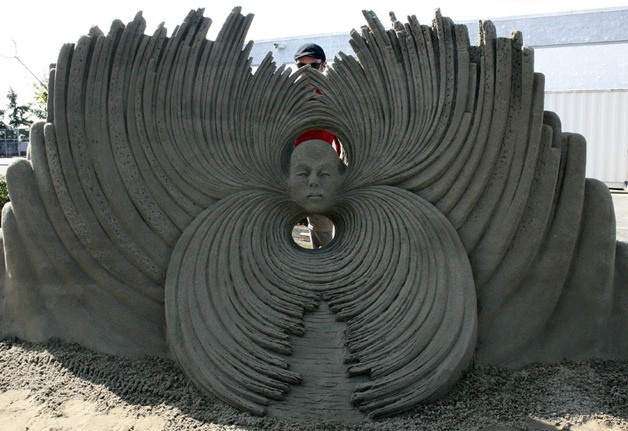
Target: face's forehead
column 313, row 153
column 308, row 59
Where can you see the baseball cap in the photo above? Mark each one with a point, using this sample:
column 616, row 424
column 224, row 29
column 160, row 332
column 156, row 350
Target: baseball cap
column 310, row 50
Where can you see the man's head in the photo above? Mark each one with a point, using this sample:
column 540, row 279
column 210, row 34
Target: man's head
column 315, row 176
column 311, row 54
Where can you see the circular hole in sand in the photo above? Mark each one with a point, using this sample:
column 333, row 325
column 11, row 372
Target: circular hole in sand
column 314, row 232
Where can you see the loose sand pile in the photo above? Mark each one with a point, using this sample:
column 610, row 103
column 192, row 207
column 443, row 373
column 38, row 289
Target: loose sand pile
column 57, row 386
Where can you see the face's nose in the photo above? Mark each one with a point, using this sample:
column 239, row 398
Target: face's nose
column 313, row 180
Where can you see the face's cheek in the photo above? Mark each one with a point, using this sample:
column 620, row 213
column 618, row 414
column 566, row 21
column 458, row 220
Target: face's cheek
column 329, row 183
column 297, row 186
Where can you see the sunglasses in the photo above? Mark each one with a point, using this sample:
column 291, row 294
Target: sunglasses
column 316, row 65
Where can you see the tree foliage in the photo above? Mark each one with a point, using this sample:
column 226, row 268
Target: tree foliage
column 4, row 192
column 22, row 115
column 40, row 107
column 18, row 115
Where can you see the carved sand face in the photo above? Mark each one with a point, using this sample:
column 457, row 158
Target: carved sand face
column 314, row 176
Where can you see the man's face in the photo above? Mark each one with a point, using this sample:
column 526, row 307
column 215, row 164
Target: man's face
column 314, row 176
column 316, row 63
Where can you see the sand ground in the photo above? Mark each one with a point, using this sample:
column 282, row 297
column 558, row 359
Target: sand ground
column 60, row 387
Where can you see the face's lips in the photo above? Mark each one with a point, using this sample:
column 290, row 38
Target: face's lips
column 314, row 196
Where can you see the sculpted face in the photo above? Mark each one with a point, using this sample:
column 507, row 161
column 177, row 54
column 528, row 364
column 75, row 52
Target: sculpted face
column 315, row 176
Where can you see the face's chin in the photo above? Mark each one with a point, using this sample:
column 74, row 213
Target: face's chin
column 314, row 202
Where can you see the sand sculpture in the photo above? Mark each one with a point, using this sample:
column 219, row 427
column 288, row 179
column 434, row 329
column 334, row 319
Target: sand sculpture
column 155, row 211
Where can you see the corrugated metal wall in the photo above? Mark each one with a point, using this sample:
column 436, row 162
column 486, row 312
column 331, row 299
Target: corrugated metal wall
column 601, row 116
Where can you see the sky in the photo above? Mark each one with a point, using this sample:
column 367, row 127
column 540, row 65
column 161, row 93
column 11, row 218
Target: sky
column 35, row 30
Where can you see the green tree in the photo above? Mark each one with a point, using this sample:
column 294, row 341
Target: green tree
column 4, row 192
column 19, row 115
column 40, row 108
column 2, row 123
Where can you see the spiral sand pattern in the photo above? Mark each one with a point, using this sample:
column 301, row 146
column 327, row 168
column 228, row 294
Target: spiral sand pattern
column 238, row 288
